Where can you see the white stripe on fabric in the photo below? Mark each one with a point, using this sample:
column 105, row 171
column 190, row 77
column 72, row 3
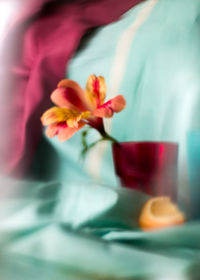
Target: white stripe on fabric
column 95, row 156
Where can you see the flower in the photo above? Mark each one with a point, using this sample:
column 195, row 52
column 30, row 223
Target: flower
column 75, row 107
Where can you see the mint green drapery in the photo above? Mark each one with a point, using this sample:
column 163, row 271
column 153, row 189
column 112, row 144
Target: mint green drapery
column 73, row 227
column 88, row 232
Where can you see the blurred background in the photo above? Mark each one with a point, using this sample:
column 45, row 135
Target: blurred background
column 7, row 9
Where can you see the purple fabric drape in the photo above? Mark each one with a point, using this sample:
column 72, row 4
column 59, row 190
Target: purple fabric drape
column 38, row 48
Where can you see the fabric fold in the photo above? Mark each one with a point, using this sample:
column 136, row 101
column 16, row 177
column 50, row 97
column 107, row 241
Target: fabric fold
column 45, row 38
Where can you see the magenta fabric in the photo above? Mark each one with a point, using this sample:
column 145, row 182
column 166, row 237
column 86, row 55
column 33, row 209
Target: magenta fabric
column 39, row 45
column 150, row 167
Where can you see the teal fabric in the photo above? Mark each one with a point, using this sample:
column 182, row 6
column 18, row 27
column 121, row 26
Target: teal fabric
column 88, row 232
column 160, row 83
column 68, row 224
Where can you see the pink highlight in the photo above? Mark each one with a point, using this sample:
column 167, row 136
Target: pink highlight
column 114, row 105
column 62, row 125
column 73, row 97
column 96, row 89
column 55, row 128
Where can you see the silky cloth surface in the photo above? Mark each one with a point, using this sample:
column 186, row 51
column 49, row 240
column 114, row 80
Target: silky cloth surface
column 65, row 230
column 160, row 84
column 57, row 231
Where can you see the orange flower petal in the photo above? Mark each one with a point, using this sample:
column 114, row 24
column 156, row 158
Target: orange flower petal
column 74, row 121
column 95, row 91
column 115, row 105
column 62, row 130
column 103, row 112
column 50, row 116
column 57, row 115
column 118, row 103
column 70, row 95
column 66, row 133
column 54, row 128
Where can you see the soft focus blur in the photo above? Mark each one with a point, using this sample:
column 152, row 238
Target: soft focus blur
column 56, row 223
column 7, row 9
column 10, row 10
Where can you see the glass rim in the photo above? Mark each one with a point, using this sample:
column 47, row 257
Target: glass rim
column 147, row 142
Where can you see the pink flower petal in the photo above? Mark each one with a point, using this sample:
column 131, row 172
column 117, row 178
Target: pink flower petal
column 95, row 91
column 53, row 129
column 103, row 112
column 70, row 95
column 66, row 133
column 115, row 105
column 118, row 103
column 62, row 130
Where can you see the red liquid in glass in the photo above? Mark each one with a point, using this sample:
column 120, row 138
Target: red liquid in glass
column 150, row 167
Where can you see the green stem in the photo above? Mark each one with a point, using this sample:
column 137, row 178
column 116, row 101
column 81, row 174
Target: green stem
column 106, row 136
